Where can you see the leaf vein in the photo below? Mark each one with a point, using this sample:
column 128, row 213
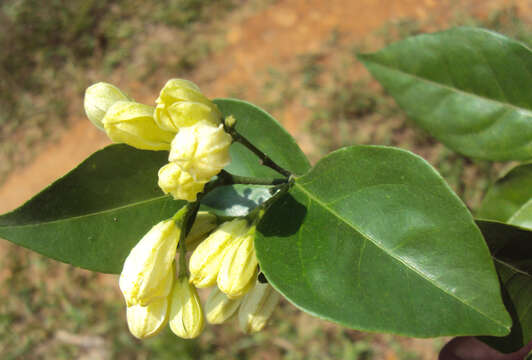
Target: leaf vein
column 466, row 93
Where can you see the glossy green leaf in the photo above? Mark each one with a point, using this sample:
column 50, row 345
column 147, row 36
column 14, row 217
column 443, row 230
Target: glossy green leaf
column 470, row 88
column 263, row 131
column 374, row 239
column 511, row 248
column 95, row 214
column 508, row 194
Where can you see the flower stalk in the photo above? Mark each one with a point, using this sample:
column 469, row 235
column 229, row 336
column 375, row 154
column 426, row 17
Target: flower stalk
column 265, row 160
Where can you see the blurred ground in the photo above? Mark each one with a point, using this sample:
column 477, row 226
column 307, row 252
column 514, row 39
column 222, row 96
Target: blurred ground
column 296, row 59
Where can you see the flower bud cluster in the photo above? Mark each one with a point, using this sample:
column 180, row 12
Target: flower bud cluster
column 223, row 256
column 154, row 295
column 188, row 125
column 226, row 258
column 183, row 122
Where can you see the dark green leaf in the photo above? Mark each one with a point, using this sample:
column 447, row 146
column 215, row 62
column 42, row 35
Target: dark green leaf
column 374, row 239
column 511, row 248
column 470, row 88
column 95, row 214
column 261, row 129
column 508, row 194
column 508, row 243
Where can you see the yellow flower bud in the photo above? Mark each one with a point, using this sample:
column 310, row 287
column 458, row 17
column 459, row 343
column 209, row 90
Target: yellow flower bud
column 206, row 260
column 202, row 150
column 179, row 183
column 238, row 271
column 147, row 321
column 186, row 315
column 219, row 307
column 148, row 271
column 133, row 124
column 257, row 306
column 98, row 99
column 204, row 223
column 182, row 104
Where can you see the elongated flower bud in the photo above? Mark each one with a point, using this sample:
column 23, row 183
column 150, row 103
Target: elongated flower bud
column 219, row 307
column 182, row 104
column 148, row 270
column 179, row 183
column 238, row 272
column 204, row 223
column 133, row 124
column 257, row 306
column 99, row 98
column 206, row 260
column 201, row 149
column 147, row 321
column 186, row 314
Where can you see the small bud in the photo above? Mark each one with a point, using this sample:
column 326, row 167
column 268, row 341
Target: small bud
column 204, row 223
column 148, row 271
column 182, row 104
column 257, row 306
column 147, row 321
column 238, row 272
column 186, row 315
column 230, row 121
column 202, row 150
column 179, row 183
column 99, row 98
column 206, row 260
column 133, row 124
column 219, row 307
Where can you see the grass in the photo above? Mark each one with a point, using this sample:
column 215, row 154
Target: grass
column 49, row 56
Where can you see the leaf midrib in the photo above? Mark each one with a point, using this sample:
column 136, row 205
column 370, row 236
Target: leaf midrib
column 138, row 203
column 450, row 88
column 511, row 267
column 384, row 250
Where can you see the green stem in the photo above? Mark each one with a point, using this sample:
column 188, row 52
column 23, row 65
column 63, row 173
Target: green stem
column 264, row 159
column 185, row 222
